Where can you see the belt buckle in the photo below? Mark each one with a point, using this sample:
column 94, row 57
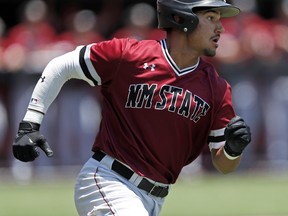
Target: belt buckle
column 160, row 192
column 152, row 189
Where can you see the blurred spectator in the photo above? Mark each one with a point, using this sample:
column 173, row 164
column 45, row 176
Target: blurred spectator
column 109, row 17
column 4, row 89
column 139, row 23
column 3, row 128
column 28, row 43
column 82, row 106
column 281, row 30
column 80, row 30
column 2, row 41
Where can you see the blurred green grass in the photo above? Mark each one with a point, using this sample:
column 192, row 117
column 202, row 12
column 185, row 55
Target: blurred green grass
column 235, row 195
column 205, row 195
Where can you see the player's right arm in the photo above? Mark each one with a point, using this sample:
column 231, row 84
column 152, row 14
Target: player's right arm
column 58, row 71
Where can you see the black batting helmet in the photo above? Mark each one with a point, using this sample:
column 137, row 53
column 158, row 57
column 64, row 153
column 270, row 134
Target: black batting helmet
column 166, row 9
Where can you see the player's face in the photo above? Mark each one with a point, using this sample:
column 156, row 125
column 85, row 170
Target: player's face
column 207, row 34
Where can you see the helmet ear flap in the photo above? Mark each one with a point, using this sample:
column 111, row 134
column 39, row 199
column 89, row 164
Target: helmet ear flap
column 190, row 23
column 185, row 23
column 178, row 18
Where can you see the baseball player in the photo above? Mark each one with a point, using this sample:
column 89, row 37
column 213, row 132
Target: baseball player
column 162, row 104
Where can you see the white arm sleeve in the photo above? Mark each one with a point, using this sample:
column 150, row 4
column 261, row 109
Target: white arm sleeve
column 56, row 73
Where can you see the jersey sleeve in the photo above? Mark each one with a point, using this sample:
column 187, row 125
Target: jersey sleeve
column 99, row 62
column 223, row 115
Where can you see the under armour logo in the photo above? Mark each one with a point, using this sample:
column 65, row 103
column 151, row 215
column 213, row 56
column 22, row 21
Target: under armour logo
column 152, row 67
column 42, row 79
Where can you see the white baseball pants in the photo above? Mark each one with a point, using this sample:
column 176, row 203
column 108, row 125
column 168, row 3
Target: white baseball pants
column 99, row 191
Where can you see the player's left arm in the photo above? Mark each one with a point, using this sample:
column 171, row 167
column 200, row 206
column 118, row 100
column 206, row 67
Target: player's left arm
column 237, row 136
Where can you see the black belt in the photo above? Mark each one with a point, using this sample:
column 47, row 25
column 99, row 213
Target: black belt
column 146, row 185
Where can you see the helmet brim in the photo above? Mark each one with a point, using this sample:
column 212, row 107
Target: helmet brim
column 226, row 10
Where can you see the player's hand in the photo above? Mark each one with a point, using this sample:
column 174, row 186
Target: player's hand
column 237, row 135
column 27, row 142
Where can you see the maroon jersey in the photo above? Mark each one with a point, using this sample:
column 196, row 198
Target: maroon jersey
column 156, row 118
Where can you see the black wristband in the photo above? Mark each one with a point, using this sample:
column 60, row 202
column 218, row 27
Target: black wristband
column 29, row 126
column 229, row 151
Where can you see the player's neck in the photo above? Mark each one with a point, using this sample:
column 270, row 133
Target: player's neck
column 181, row 54
column 182, row 59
